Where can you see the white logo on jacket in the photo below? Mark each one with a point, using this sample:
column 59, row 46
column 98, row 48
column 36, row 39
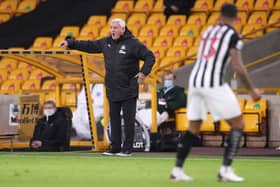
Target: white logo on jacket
column 122, row 50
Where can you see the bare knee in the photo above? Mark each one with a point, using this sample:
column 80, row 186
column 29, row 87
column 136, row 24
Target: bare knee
column 194, row 127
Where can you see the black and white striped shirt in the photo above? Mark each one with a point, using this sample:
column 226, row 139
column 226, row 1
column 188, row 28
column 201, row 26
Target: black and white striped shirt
column 213, row 56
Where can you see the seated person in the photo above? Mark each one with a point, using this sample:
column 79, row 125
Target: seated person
column 52, row 132
column 183, row 7
column 170, row 98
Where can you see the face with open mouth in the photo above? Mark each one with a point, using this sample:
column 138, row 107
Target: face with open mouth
column 116, row 30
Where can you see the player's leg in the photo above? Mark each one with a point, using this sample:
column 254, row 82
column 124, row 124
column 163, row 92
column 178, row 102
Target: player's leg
column 185, row 143
column 223, row 105
column 196, row 113
column 129, row 110
column 226, row 173
column 115, row 124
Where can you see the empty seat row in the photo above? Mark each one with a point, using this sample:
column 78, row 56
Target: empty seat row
column 9, row 8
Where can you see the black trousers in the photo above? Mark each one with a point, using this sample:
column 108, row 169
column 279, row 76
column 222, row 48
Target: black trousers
column 129, row 109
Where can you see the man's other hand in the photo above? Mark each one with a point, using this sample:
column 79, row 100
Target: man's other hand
column 141, row 78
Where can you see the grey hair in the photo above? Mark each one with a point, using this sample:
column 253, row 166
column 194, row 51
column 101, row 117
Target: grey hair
column 119, row 21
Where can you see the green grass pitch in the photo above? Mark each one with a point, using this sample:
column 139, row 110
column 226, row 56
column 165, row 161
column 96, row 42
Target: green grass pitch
column 94, row 170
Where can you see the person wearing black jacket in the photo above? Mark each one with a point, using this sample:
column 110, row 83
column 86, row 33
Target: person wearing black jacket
column 122, row 52
column 171, row 97
column 52, row 132
column 183, row 7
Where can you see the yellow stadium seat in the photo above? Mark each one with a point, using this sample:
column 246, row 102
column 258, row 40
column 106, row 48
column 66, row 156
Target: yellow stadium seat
column 49, row 96
column 159, row 52
column 149, row 30
column 123, row 7
column 84, row 38
column 42, row 43
column 176, row 52
column 176, row 20
column 251, row 123
column 11, row 87
column 219, row 4
column 157, row 19
column 8, row 6
column 182, row 123
column 97, row 21
column 146, row 40
column 138, row 19
column 214, row 18
column 241, row 102
column 238, row 28
column 144, row 6
column 258, row 18
column 275, row 16
column 49, row 85
column 38, row 74
column 8, row 63
column 19, row 74
column 31, row 85
column 169, row 30
column 241, row 18
column 26, row 6
column 257, row 106
column 16, row 48
column 71, row 87
column 117, row 15
column 68, row 98
column 203, row 5
column 183, row 41
column 197, row 19
column 208, row 124
column 168, row 60
column 224, row 127
column 57, row 41
column 23, row 65
column 90, row 31
column 163, row 41
column 277, row 5
column 134, row 29
column 4, row 18
column 191, row 52
column 245, row 5
column 190, row 30
column 264, row 4
column 72, row 31
column 203, row 29
column 105, row 31
column 3, row 74
column 158, row 7
column 252, row 29
column 196, row 41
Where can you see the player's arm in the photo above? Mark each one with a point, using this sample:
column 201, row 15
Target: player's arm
column 241, row 71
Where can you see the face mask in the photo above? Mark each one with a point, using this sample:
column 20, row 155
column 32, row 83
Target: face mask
column 49, row 112
column 168, row 83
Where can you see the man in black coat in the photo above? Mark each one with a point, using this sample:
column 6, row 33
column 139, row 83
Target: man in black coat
column 52, row 132
column 172, row 7
column 122, row 52
column 171, row 97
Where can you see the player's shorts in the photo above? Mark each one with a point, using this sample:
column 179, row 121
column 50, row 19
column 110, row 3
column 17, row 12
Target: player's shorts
column 220, row 101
